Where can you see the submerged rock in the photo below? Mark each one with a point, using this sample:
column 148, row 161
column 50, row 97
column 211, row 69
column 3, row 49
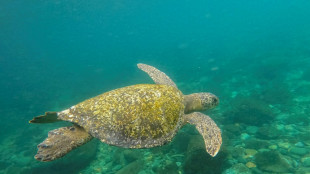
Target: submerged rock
column 306, row 161
column 238, row 152
column 245, row 136
column 238, row 169
column 252, row 129
column 273, row 161
column 269, row 132
column 251, row 111
column 181, row 137
column 250, row 153
column 303, row 170
column 299, row 144
column 198, row 160
column 250, row 164
column 131, row 168
column 131, row 155
column 298, row 151
column 284, row 145
column 233, row 128
column 273, row 147
column 256, row 144
column 167, row 166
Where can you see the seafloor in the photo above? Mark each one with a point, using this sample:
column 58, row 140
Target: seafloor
column 263, row 114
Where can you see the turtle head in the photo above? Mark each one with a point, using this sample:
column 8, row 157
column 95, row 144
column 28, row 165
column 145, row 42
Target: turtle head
column 200, row 101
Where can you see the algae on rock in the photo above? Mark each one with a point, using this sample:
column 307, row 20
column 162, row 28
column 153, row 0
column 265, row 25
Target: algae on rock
column 273, row 161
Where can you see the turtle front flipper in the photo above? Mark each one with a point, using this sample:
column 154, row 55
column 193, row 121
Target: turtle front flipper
column 158, row 76
column 61, row 141
column 210, row 132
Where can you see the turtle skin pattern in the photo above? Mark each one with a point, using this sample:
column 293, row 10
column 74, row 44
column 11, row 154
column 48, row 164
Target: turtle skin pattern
column 138, row 116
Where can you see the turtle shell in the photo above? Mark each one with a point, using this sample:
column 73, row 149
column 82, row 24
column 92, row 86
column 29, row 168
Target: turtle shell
column 137, row 116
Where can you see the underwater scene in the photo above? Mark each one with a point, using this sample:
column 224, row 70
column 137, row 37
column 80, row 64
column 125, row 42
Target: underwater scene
column 254, row 56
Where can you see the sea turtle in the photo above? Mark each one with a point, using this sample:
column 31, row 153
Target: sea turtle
column 137, row 116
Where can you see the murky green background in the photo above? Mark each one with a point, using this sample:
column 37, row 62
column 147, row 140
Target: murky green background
column 254, row 55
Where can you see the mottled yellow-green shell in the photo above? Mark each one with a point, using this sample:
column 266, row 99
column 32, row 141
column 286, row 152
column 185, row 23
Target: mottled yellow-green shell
column 136, row 116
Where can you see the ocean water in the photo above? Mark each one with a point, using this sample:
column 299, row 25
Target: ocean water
column 254, row 55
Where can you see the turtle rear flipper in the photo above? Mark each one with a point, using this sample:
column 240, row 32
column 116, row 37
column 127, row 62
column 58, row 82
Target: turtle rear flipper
column 49, row 117
column 208, row 129
column 61, row 141
column 159, row 77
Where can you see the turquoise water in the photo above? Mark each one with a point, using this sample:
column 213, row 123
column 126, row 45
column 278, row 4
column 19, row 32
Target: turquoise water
column 254, row 55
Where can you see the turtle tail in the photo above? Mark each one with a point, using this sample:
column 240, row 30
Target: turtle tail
column 49, row 117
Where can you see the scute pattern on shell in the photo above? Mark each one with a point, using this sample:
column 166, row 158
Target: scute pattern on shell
column 137, row 116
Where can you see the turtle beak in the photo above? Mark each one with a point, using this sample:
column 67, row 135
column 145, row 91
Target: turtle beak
column 215, row 101
column 209, row 100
